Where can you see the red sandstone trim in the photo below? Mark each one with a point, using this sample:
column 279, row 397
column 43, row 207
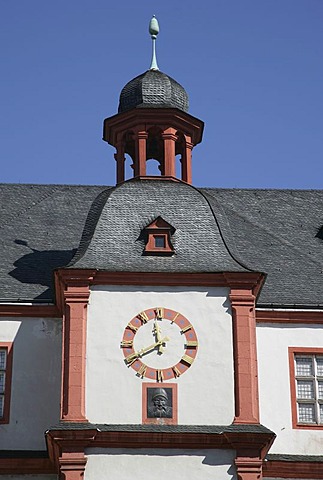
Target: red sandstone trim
column 246, row 280
column 255, row 443
column 7, row 395
column 282, row 469
column 159, row 421
column 129, row 132
column 158, row 228
column 250, row 454
column 16, row 310
column 73, row 293
column 289, row 316
column 72, row 465
column 251, row 447
column 245, row 356
column 292, row 351
column 26, row 466
column 73, row 290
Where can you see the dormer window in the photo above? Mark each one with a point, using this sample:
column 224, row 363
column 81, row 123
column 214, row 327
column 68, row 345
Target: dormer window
column 157, row 236
column 160, row 241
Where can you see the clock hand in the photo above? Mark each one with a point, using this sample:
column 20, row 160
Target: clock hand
column 157, row 332
column 152, row 347
column 130, row 359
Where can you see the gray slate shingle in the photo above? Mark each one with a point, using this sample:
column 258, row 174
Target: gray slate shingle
column 273, row 231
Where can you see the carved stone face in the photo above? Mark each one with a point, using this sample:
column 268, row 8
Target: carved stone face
column 159, row 402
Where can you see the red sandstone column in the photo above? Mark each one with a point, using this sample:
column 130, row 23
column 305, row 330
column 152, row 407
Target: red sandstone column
column 186, row 160
column 169, row 139
column 245, row 356
column 74, row 349
column 141, row 156
column 120, row 159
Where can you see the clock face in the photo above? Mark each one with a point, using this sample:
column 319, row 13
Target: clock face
column 159, row 344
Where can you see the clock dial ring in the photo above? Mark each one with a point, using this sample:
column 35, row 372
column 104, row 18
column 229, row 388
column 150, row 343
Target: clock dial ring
column 136, row 359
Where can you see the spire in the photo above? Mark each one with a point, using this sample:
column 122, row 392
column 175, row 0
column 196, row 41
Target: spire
column 153, row 30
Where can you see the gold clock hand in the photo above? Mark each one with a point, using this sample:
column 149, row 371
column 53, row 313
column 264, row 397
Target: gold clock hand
column 157, row 331
column 152, row 346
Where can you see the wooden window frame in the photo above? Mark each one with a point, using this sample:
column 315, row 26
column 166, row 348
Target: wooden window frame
column 292, row 353
column 8, row 346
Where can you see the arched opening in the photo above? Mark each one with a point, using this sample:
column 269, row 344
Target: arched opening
column 155, row 144
column 128, row 169
column 153, row 168
column 129, row 143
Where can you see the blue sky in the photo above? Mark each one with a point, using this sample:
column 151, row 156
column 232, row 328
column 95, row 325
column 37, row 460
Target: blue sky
column 253, row 70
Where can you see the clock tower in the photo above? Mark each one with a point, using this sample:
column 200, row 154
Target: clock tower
column 159, row 332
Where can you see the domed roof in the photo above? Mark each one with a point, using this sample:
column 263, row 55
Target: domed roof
column 153, row 89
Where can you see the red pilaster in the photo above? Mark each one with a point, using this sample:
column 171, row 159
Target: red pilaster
column 120, row 159
column 141, row 146
column 169, row 139
column 186, row 160
column 73, row 291
column 245, row 356
column 74, row 348
column 178, row 130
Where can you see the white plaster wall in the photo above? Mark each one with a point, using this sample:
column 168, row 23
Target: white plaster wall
column 274, row 385
column 205, row 391
column 35, row 393
column 160, row 464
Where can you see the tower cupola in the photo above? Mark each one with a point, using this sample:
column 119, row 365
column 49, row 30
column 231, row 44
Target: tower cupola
column 152, row 123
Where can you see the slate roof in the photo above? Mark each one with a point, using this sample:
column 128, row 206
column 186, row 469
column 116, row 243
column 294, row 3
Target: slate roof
column 208, row 429
column 112, row 239
column 153, row 89
column 272, row 231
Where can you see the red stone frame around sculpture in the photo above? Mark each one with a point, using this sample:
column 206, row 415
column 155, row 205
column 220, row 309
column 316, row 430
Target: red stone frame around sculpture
column 171, row 402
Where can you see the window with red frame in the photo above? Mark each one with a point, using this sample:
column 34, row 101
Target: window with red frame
column 307, row 388
column 5, row 381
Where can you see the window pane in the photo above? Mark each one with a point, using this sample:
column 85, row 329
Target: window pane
column 1, row 405
column 160, row 242
column 305, row 389
column 321, row 413
column 304, row 366
column 320, row 390
column 2, row 381
column 306, row 413
column 3, row 356
column 319, row 363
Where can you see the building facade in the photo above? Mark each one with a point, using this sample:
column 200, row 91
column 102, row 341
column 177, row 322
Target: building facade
column 154, row 328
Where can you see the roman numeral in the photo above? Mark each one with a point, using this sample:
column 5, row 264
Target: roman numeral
column 142, row 370
column 130, row 359
column 187, row 359
column 132, row 327
column 191, row 344
column 143, row 317
column 126, row 343
column 159, row 375
column 186, row 329
column 177, row 373
column 159, row 312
